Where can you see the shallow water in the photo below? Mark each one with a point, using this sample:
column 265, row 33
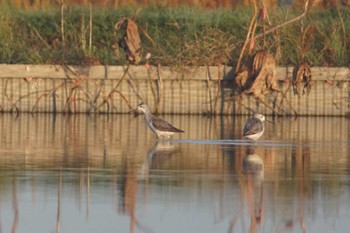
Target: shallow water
column 108, row 174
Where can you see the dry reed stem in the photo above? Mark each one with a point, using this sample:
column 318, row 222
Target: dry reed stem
column 83, row 31
column 122, row 78
column 286, row 23
column 13, row 105
column 251, row 26
column 130, row 82
column 285, row 97
column 282, row 99
column 90, row 29
column 75, row 86
column 62, row 23
column 305, row 41
column 114, row 90
column 252, row 38
column 72, row 97
column 219, row 89
column 106, row 100
column 208, row 89
column 342, row 24
column 152, row 88
column 37, row 101
column 39, row 36
column 160, row 86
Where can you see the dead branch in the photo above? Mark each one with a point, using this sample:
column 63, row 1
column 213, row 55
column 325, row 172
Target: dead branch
column 109, row 97
column 286, row 23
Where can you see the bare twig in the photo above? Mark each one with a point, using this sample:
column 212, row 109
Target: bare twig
column 267, row 105
column 114, row 90
column 122, row 78
column 285, row 97
column 146, row 35
column 286, row 23
column 109, row 97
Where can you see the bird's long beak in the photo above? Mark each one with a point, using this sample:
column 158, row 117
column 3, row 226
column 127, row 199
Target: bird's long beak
column 135, row 112
column 132, row 111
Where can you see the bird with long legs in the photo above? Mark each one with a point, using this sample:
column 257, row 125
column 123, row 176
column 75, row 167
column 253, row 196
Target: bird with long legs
column 254, row 128
column 157, row 125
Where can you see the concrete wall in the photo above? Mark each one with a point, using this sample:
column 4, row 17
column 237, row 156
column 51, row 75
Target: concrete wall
column 110, row 89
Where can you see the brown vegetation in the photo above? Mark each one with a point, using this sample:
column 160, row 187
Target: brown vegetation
column 130, row 40
column 258, row 77
column 302, row 79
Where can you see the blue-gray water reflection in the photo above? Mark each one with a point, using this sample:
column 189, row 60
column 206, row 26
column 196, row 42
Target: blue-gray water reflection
column 108, row 174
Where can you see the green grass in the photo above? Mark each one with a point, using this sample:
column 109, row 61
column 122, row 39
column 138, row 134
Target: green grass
column 181, row 36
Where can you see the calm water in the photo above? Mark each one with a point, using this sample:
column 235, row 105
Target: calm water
column 107, row 174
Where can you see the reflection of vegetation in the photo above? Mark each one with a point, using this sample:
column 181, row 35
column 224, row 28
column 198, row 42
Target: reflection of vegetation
column 175, row 36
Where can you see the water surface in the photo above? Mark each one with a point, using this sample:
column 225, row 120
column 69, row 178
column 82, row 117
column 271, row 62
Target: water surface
column 103, row 173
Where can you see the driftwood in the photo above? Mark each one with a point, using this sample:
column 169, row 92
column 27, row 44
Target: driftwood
column 130, row 41
column 302, row 79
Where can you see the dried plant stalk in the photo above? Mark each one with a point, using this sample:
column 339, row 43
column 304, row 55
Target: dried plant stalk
column 90, row 29
column 130, row 41
column 258, row 78
column 62, row 22
column 251, row 29
column 302, row 79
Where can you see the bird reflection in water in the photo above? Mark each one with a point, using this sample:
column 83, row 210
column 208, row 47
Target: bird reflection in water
column 128, row 181
column 160, row 152
column 127, row 197
column 253, row 167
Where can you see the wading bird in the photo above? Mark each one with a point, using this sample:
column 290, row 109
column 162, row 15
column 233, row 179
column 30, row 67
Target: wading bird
column 254, row 127
column 158, row 126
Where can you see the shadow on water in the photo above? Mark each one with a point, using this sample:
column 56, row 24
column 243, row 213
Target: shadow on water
column 108, row 173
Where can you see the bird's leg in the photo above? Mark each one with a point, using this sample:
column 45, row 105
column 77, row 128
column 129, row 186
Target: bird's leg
column 250, row 150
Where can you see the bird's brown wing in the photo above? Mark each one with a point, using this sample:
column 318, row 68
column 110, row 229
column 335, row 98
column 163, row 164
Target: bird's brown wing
column 253, row 126
column 162, row 125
